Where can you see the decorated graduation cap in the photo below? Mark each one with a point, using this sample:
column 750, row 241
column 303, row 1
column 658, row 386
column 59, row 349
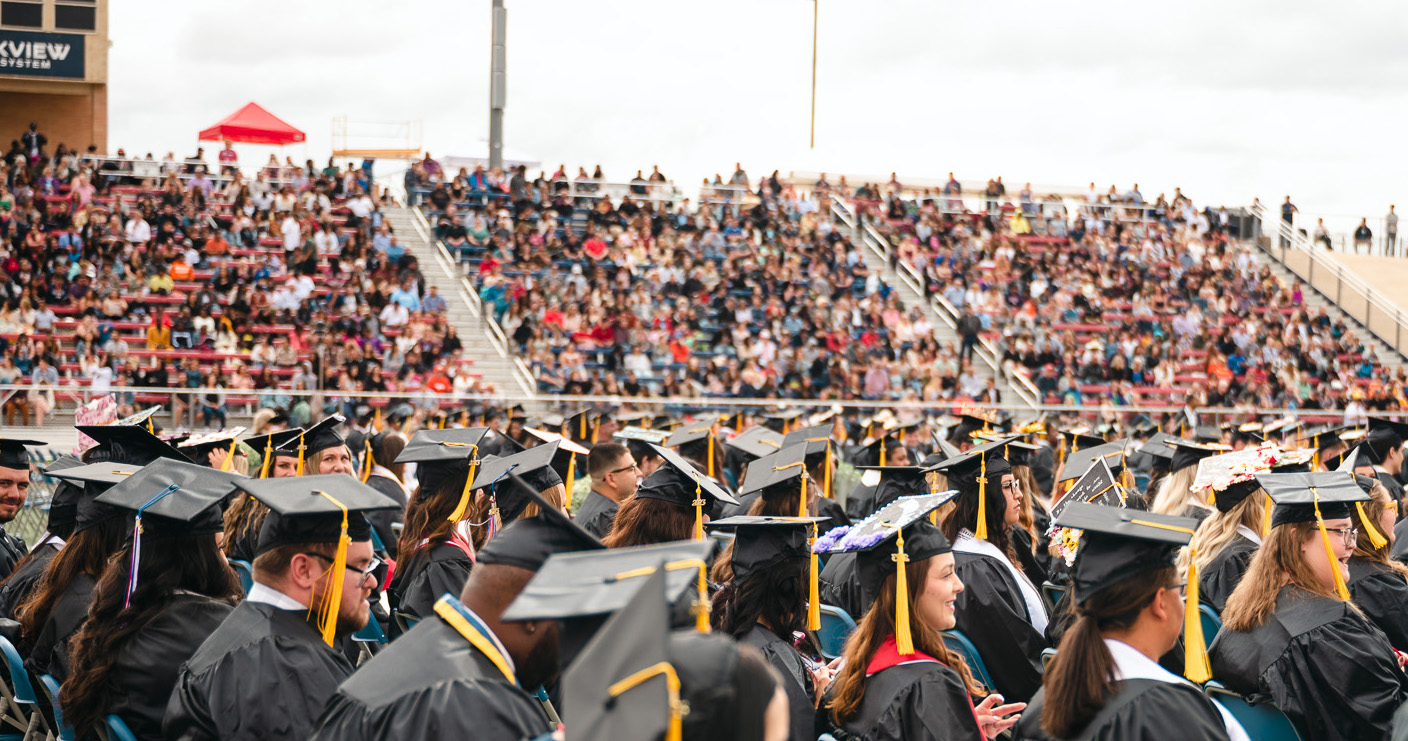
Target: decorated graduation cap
column 13, row 453
column 1187, row 453
column 1077, row 463
column 442, row 456
column 757, row 442
column 696, row 440
column 134, row 445
column 317, row 509
column 783, row 473
column 1096, row 486
column 510, row 482
column 623, row 687
column 884, row 542
column 1384, row 436
column 144, row 418
column 169, row 499
column 1119, row 544
column 1229, row 478
column 318, row 438
column 199, row 447
column 678, row 482
column 1315, row 497
column 528, row 542
column 272, row 445
column 92, row 480
column 971, row 473
column 761, row 543
column 641, row 434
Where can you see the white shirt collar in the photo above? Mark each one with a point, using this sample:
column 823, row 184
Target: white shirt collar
column 268, row 595
column 49, row 538
column 1036, row 609
column 1247, row 533
column 1131, row 663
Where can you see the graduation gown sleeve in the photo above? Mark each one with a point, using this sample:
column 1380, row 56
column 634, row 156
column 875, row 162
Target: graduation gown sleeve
column 48, row 655
column 861, row 502
column 437, row 569
column 923, row 701
column 1382, row 594
column 382, row 520
column 834, row 513
column 265, row 673
column 1224, row 573
column 1139, row 710
column 796, row 680
column 12, row 549
column 22, row 582
column 992, row 614
column 1326, row 667
column 839, row 586
column 597, row 514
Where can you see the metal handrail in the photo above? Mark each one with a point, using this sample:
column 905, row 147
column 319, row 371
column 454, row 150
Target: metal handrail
column 1288, row 238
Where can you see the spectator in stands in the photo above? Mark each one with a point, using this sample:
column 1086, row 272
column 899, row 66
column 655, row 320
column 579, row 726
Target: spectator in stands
column 41, row 400
column 1363, row 237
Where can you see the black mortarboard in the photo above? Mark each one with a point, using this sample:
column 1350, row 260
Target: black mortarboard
column 1324, row 437
column 1356, row 457
column 1079, row 439
column 815, row 433
column 581, row 426
column 971, row 473
column 13, row 453
column 323, row 435
column 1249, row 432
column 762, row 542
column 678, row 482
column 501, row 477
column 141, row 419
column 135, row 445
column 1158, row 446
column 198, row 447
column 93, row 479
column 63, row 503
column 528, row 542
column 876, row 453
column 778, row 474
column 173, row 498
column 622, row 686
column 1120, row 544
column 1315, row 497
column 517, row 412
column 435, row 446
column 781, row 421
column 1207, row 434
column 757, row 442
column 1020, row 454
column 1384, row 435
column 641, row 434
column 564, row 461
column 1187, row 453
column 271, row 446
column 309, row 509
column 900, row 481
column 876, row 542
column 1079, row 462
column 697, row 440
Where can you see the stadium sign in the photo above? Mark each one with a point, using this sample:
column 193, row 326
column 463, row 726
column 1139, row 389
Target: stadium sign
column 30, row 54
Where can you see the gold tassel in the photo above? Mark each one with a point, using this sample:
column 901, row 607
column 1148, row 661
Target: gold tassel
column 1375, row 538
column 367, row 461
column 699, row 503
column 813, row 588
column 332, row 595
column 1329, row 550
column 675, row 731
column 981, row 532
column 702, row 607
column 711, row 455
column 934, row 489
column 1195, row 650
column 802, row 505
column 596, row 430
column 301, row 448
column 737, row 423
column 230, row 456
column 463, row 505
column 904, row 642
column 268, row 456
column 571, row 476
column 826, row 473
column 882, row 450
column 582, row 427
column 376, row 420
column 1266, row 516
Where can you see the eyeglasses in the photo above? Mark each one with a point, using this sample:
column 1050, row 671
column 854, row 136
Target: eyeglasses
column 1349, row 534
column 362, row 573
column 632, row 467
column 1013, row 485
column 1182, row 588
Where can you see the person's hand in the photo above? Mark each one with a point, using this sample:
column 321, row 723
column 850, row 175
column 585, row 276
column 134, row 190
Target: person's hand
column 993, row 718
column 821, row 679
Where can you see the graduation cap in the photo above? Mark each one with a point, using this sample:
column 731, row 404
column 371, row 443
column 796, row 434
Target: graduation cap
column 782, row 421
column 517, row 412
column 1326, row 436
column 1159, row 446
column 757, row 442
column 1248, row 432
column 1229, row 478
column 198, row 447
column 1187, row 453
column 761, row 543
column 1315, row 497
column 876, row 453
column 816, row 433
column 1077, row 463
column 1096, row 486
column 13, row 453
column 63, row 502
column 1079, row 437
column 622, row 686
column 318, row 438
column 900, row 481
column 317, row 509
column 641, row 434
column 564, row 461
column 1384, row 436
column 782, row 473
column 141, row 419
column 528, row 542
column 1207, row 434
column 678, row 482
column 135, row 445
column 502, row 476
column 92, row 480
column 1020, row 454
column 582, row 425
column 440, row 455
column 884, row 542
column 972, row 471
column 271, row 445
column 1120, row 544
column 692, row 435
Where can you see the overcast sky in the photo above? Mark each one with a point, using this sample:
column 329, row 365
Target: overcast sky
column 1227, row 100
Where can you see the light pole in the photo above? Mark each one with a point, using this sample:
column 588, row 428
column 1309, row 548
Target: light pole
column 497, row 86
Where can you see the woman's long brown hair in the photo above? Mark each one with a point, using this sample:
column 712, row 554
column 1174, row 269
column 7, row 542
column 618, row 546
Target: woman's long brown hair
column 87, row 552
column 1277, row 563
column 848, row 689
column 245, row 515
column 428, row 512
column 1077, row 682
column 647, row 521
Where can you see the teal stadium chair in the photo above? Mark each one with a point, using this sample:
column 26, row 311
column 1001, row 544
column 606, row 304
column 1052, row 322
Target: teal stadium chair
column 959, row 644
column 1052, row 594
column 117, row 730
column 404, row 622
column 51, row 690
column 1263, row 722
column 836, row 627
column 20, row 716
column 245, row 573
column 1047, row 654
column 1211, row 623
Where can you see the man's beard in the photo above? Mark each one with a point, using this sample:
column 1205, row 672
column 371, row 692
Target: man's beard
column 539, row 667
column 16, row 502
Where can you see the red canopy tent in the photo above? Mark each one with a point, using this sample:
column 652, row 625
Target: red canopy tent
column 253, row 125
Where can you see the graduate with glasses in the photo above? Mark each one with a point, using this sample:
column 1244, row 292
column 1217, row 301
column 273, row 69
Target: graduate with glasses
column 1290, row 634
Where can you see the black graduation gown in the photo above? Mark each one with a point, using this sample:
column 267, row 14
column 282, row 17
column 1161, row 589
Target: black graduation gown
column 992, row 613
column 919, row 701
column 1043, row 465
column 22, row 582
column 242, row 548
column 1139, row 710
column 12, row 549
column 427, row 574
column 145, row 670
column 265, row 673
column 47, row 654
column 1399, row 551
column 1034, row 564
column 382, row 520
column 1395, row 489
column 1326, row 667
column 430, row 684
column 839, row 585
column 1382, row 595
column 597, row 514
column 796, row 680
column 1224, row 573
column 860, row 504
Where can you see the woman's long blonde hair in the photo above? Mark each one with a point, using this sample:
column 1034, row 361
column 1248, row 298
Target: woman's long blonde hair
column 1278, row 562
column 1176, row 493
column 1379, row 500
column 1220, row 528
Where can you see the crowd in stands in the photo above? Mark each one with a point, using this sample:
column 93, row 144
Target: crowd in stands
column 753, row 292
column 1119, row 301
column 139, row 272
